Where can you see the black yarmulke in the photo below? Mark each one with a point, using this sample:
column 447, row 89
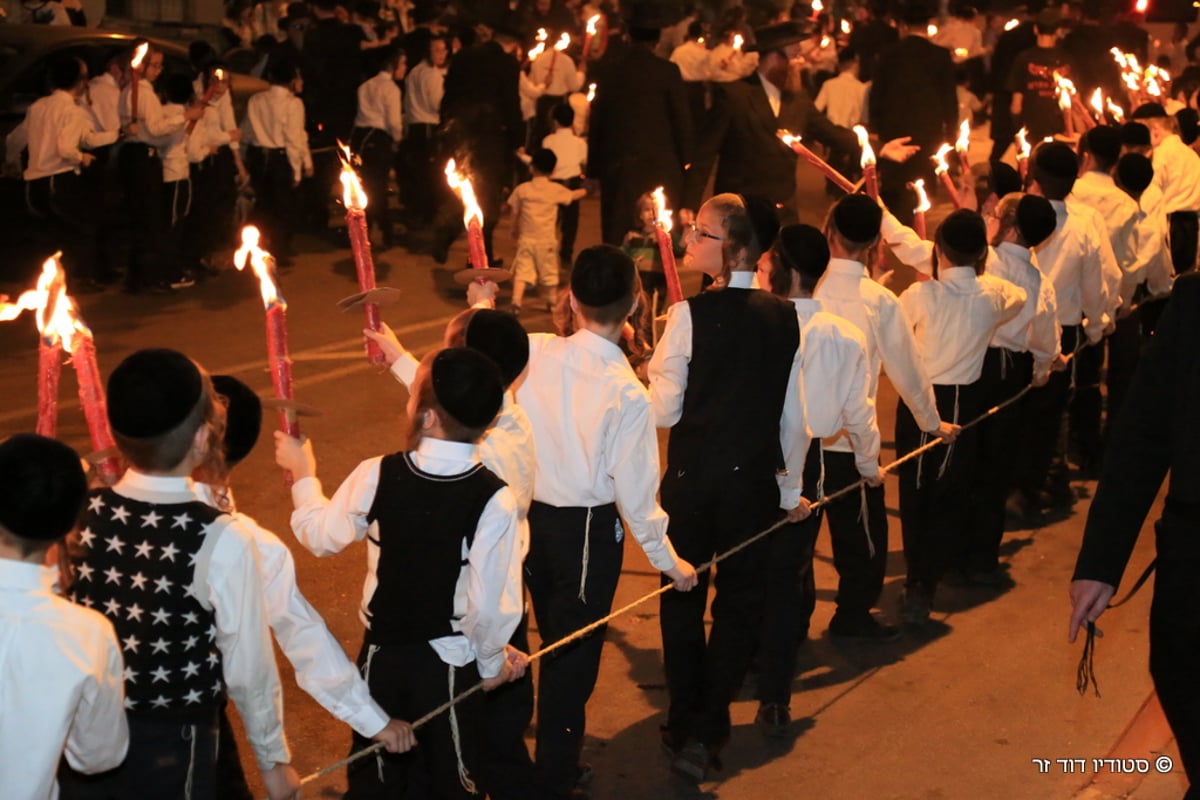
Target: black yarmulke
column 602, row 275
column 1036, row 219
column 965, row 232
column 1149, row 111
column 1005, row 179
column 764, row 221
column 1057, row 159
column 1135, row 134
column 500, row 337
column 1134, row 173
column 1104, row 142
column 42, row 487
column 1189, row 124
column 151, row 392
column 804, row 249
column 778, row 36
column 243, row 417
column 857, row 218
column 467, row 385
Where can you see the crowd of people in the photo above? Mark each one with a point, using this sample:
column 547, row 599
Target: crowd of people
column 531, row 455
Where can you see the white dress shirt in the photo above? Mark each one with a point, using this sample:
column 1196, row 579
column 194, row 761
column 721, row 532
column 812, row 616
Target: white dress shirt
column 380, row 105
column 835, row 360
column 726, row 64
column 61, row 685
column 1072, row 257
column 57, row 131
column 229, row 581
column 843, row 99
column 954, row 317
column 535, row 205
column 774, row 96
column 487, row 598
column 528, row 92
column 153, row 122
column 507, row 448
column 1099, row 192
column 594, row 430
column 669, row 381
column 275, row 120
column 958, row 34
column 1177, row 175
column 104, row 94
column 563, row 80
column 692, row 60
column 173, row 148
column 424, row 88
column 1152, row 235
column 1035, row 328
column 571, row 152
column 848, row 291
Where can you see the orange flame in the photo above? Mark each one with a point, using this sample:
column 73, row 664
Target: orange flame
column 1064, row 88
column 261, row 262
column 662, row 214
column 218, row 74
column 738, row 41
column 846, row 27
column 1097, row 102
column 563, row 42
column 542, row 35
column 1114, row 110
column 353, row 195
column 57, row 316
column 139, row 55
column 817, row 6
column 788, row 138
column 939, row 159
column 1141, row 5
column 961, row 52
column 1022, row 142
column 931, row 30
column 537, row 50
column 1012, row 23
column 593, row 24
column 825, row 41
column 591, row 92
column 864, row 142
column 923, row 203
column 461, row 184
column 963, row 144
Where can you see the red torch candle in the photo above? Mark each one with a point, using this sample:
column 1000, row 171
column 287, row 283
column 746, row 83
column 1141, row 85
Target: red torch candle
column 793, row 141
column 472, row 215
column 590, row 33
column 923, row 205
column 942, row 170
column 662, row 232
column 49, row 368
column 870, row 176
column 1021, row 143
column 962, row 145
column 355, row 200
column 135, row 67
column 91, row 397
column 210, row 91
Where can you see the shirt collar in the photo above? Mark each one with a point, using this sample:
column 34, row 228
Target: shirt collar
column 846, row 266
column 155, row 488
column 806, row 306
column 771, row 89
column 464, row 452
column 1014, row 249
column 741, row 279
column 1096, row 176
column 26, row 577
column 594, row 343
column 956, row 274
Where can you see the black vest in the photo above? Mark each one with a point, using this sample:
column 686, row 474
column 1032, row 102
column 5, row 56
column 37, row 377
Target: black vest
column 743, row 343
column 135, row 564
column 423, row 521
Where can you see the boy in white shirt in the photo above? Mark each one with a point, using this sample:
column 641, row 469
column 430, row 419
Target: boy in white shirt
column 378, row 129
column 60, row 664
column 571, row 151
column 177, row 179
column 843, row 98
column 535, row 204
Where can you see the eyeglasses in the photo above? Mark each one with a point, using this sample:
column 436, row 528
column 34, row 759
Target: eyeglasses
column 694, row 233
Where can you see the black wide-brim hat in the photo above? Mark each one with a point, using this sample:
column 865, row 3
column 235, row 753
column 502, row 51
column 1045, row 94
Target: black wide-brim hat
column 778, row 36
column 653, row 14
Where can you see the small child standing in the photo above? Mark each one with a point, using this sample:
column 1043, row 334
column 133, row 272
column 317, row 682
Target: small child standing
column 969, row 103
column 535, row 227
column 641, row 244
column 571, row 151
column 177, row 181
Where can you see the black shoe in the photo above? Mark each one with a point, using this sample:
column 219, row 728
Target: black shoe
column 671, row 744
column 773, row 720
column 182, row 282
column 695, row 762
column 992, row 578
column 584, row 775
column 868, row 629
column 914, row 607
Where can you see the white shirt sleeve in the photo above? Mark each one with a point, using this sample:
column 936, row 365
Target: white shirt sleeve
column 155, row 120
column 494, row 589
column 793, row 437
column 898, row 349
column 1043, row 338
column 99, row 734
column 668, row 368
column 908, row 247
column 859, row 419
column 1095, row 283
column 394, row 111
column 327, row 526
column 295, row 138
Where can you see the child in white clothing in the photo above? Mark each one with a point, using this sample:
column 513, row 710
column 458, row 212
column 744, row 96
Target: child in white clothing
column 535, row 227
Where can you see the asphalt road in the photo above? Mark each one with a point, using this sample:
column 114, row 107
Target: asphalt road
column 960, row 711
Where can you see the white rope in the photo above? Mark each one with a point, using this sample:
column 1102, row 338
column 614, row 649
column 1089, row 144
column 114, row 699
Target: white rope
column 463, row 777
column 583, row 570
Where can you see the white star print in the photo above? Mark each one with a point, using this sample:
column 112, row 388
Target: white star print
column 161, row 617
column 138, row 579
column 191, row 669
column 212, row 632
column 169, row 552
column 86, row 536
column 182, row 521
column 96, row 503
column 144, row 549
column 159, row 702
column 112, row 608
column 163, row 585
column 160, row 674
column 216, row 690
column 160, row 645
column 135, row 612
column 119, row 513
column 86, row 601
column 192, row 559
column 129, row 704
column 190, row 642
column 190, row 618
column 131, row 642
column 85, row 572
column 115, row 543
column 213, row 659
column 113, row 575
column 151, row 520
column 192, row 697
column 130, row 675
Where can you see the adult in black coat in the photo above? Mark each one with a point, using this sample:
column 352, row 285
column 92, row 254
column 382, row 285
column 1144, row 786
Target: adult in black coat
column 1010, row 45
column 1156, row 432
column 742, row 128
column 913, row 95
column 871, row 34
column 481, row 130
column 640, row 129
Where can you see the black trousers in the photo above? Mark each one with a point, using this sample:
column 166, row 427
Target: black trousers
column 177, row 206
column 374, row 147
column 1124, row 351
column 1005, row 373
column 276, row 200
column 1184, row 231
column 418, row 174
column 408, row 681
column 209, row 226
column 791, row 592
column 568, row 224
column 62, row 208
column 231, row 778
column 858, row 532
column 1003, row 129
column 507, row 711
column 711, row 512
column 166, row 761
column 141, row 174
column 935, row 487
column 1086, row 406
column 554, row 575
column 1042, row 454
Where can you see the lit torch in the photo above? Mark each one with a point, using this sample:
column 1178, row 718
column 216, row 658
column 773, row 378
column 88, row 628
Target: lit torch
column 45, row 301
column 542, row 38
column 662, row 232
column 923, row 205
column 846, row 28
column 963, row 145
column 473, row 220
column 1022, row 147
column 867, row 161
column 1115, row 111
column 592, row 29
column 214, row 83
column 591, row 93
column 817, row 8
column 738, row 42
column 563, row 43
column 794, row 142
column 1063, row 89
column 1012, row 24
column 942, row 170
column 1097, row 104
column 355, row 200
column 135, row 66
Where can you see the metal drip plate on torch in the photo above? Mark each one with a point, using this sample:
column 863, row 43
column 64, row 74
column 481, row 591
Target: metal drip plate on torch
column 96, row 456
column 294, row 406
column 492, row 274
column 380, row 296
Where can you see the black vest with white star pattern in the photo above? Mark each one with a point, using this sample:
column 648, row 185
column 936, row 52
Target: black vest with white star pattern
column 135, row 564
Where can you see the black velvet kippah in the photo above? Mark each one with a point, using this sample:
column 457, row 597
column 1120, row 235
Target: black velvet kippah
column 804, row 249
column 1057, row 159
column 500, row 337
column 1135, row 134
column 764, row 221
column 965, row 232
column 151, row 392
column 1036, row 219
column 42, row 487
column 467, row 385
column 857, row 218
column 1005, row 179
column 243, row 417
column 1134, row 172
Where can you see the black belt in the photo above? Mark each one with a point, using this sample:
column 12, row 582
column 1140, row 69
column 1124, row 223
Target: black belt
column 270, row 150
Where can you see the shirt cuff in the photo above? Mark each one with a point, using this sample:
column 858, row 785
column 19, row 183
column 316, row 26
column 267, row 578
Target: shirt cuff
column 306, row 491
column 788, row 498
column 490, row 666
column 890, row 227
column 662, row 556
column 278, row 753
column 404, row 368
column 368, row 721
